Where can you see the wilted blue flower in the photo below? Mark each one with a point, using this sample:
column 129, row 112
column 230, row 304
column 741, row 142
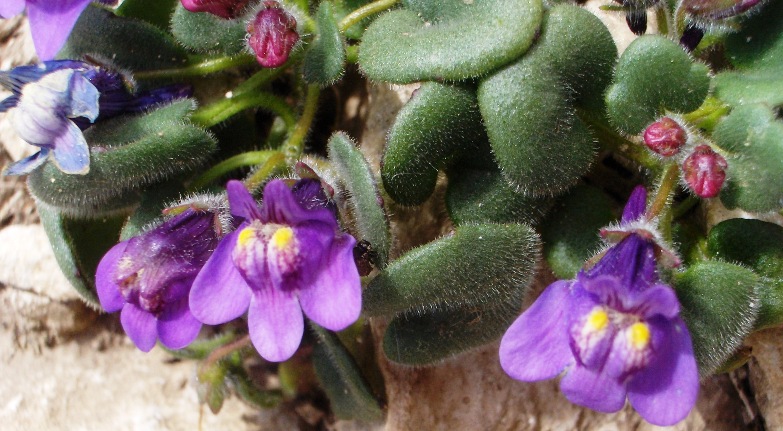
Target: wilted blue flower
column 149, row 277
column 55, row 100
column 51, row 21
column 616, row 332
column 287, row 257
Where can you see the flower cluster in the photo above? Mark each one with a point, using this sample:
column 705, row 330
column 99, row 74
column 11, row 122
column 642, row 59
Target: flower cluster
column 615, row 330
column 53, row 102
column 286, row 257
column 704, row 170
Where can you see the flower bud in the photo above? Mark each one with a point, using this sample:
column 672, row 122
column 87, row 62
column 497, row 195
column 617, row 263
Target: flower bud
column 665, row 137
column 705, row 171
column 272, row 35
column 227, row 9
column 717, row 9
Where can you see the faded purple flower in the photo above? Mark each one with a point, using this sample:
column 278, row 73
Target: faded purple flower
column 149, row 277
column 704, row 171
column 616, row 332
column 287, row 256
column 272, row 34
column 51, row 21
column 227, row 9
column 53, row 101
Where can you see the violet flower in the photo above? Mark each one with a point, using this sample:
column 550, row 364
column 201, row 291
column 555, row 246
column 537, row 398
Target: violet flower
column 149, row 277
column 287, row 256
column 615, row 330
column 54, row 101
column 51, row 21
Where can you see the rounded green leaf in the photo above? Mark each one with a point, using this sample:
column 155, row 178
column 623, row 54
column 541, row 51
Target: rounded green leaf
column 437, row 126
column 654, row 75
column 324, row 59
column 477, row 264
column 751, row 138
column 206, row 33
column 452, row 40
column 720, row 303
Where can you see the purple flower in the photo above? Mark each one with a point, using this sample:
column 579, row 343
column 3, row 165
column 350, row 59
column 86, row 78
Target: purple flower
column 54, row 101
column 149, row 277
column 51, row 21
column 616, row 332
column 287, row 256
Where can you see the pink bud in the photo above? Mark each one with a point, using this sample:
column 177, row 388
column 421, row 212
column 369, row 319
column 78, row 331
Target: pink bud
column 227, row 9
column 665, row 137
column 705, row 171
column 272, row 35
column 717, row 9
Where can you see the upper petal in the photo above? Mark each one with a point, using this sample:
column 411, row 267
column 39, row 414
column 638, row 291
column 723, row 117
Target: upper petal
column 219, row 293
column 140, row 326
column 666, row 390
column 281, row 206
column 535, row 347
column 108, row 291
column 275, row 323
column 241, row 201
column 334, row 299
column 9, row 8
column 83, row 98
column 51, row 22
column 593, row 389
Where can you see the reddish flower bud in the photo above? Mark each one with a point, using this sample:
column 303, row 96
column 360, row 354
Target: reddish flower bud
column 272, row 35
column 665, row 137
column 227, row 9
column 717, row 9
column 705, row 171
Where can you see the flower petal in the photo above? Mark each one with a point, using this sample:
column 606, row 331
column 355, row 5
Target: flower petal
column 275, row 322
column 177, row 327
column 51, row 22
column 593, row 389
column 241, row 201
column 9, row 102
column 535, row 347
column 334, row 299
column 71, row 153
column 281, row 206
column 219, row 292
column 637, row 203
column 83, row 99
column 108, row 291
column 666, row 390
column 9, row 8
column 28, row 164
column 658, row 299
column 140, row 326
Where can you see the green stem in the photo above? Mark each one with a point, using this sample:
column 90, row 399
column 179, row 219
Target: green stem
column 202, row 68
column 667, row 185
column 613, row 141
column 662, row 16
column 274, row 163
column 683, row 207
column 224, row 109
column 363, row 12
column 352, row 54
column 294, row 146
column 223, row 351
column 252, row 158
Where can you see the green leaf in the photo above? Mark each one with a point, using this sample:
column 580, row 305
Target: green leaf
column 751, row 138
column 127, row 154
column 759, row 246
column 155, row 12
column 208, row 34
column 478, row 264
column 364, row 197
column 126, row 42
column 720, row 303
column 79, row 245
column 426, row 339
column 570, row 233
column 452, row 40
column 654, row 75
column 324, row 60
column 440, row 124
column 479, row 196
column 349, row 393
